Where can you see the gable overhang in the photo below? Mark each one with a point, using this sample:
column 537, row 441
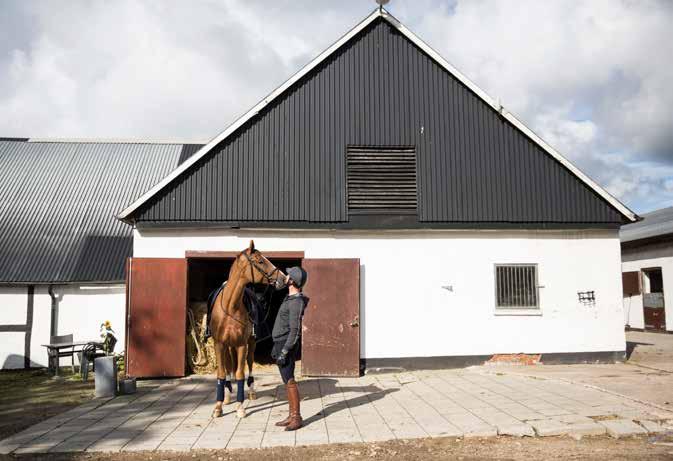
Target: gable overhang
column 630, row 216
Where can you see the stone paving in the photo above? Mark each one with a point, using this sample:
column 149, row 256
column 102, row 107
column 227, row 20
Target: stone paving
column 457, row 403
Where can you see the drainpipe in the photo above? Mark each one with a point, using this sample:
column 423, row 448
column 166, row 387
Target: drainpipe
column 54, row 311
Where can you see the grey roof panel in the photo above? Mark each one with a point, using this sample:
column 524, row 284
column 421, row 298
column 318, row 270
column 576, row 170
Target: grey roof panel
column 57, row 206
column 287, row 163
column 654, row 224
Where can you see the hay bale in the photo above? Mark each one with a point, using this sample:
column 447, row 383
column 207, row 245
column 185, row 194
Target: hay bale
column 199, row 311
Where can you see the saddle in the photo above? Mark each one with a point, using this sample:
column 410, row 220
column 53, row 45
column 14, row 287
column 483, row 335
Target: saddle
column 256, row 305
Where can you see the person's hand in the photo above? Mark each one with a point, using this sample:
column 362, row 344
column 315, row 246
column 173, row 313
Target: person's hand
column 281, row 360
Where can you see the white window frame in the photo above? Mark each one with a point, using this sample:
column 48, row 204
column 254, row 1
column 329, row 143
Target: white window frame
column 514, row 310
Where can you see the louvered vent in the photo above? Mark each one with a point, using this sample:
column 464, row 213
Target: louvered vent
column 382, row 178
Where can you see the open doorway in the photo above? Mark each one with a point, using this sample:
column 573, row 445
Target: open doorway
column 653, row 299
column 207, row 274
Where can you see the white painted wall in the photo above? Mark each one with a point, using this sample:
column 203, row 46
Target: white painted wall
column 404, row 309
column 638, row 260
column 81, row 311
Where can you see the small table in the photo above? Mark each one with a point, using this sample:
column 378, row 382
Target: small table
column 53, row 351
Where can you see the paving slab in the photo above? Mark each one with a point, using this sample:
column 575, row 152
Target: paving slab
column 481, row 431
column 549, row 427
column 653, row 427
column 210, row 444
column 432, row 403
column 622, row 428
column 585, row 429
column 516, row 430
column 6, row 448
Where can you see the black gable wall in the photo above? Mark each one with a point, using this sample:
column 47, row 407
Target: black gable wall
column 288, row 162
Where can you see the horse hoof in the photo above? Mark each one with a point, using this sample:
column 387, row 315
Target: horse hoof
column 240, row 412
column 217, row 412
column 252, row 395
column 227, row 400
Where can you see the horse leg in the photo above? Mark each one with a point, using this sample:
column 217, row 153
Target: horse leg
column 241, row 353
column 252, row 344
column 221, row 375
column 230, row 365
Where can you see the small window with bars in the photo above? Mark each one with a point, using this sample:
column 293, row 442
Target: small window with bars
column 516, row 286
column 381, row 178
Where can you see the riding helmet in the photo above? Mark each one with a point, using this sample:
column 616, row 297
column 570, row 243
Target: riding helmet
column 298, row 275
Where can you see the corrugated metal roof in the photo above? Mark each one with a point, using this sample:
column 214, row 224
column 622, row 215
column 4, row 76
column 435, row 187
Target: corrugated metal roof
column 287, row 162
column 57, row 206
column 654, row 224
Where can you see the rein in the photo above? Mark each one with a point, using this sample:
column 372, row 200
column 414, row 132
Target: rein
column 231, row 316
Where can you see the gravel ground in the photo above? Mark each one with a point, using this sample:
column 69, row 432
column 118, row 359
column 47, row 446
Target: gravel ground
column 501, row 448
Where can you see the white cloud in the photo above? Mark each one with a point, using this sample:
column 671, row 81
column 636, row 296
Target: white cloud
column 557, row 128
column 592, row 78
column 154, row 69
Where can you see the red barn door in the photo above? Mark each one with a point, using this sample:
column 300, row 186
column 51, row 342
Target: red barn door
column 156, row 315
column 331, row 324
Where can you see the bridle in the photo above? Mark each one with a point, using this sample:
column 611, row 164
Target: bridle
column 268, row 276
column 253, row 265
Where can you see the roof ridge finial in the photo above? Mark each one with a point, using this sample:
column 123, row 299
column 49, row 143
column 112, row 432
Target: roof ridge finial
column 381, row 3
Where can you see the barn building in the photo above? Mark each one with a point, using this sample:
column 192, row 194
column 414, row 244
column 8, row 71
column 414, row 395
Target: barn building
column 647, row 271
column 436, row 228
column 62, row 252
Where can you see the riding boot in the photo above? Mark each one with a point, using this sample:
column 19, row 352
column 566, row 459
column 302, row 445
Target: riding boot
column 293, row 398
column 286, row 421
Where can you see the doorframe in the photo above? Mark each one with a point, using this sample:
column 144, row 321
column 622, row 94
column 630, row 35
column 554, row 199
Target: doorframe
column 642, row 272
column 298, row 255
column 232, row 255
column 189, row 254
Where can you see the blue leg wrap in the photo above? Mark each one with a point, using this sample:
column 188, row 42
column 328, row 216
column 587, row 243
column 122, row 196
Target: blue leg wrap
column 251, row 381
column 220, row 390
column 240, row 391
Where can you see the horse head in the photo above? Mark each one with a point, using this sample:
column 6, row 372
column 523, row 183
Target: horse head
column 259, row 269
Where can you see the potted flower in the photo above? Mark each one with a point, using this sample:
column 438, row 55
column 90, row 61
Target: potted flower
column 108, row 336
column 106, row 366
column 126, row 384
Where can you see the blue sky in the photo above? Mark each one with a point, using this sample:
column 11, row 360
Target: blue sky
column 591, row 77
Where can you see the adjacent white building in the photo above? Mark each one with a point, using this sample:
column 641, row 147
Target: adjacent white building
column 62, row 252
column 647, row 271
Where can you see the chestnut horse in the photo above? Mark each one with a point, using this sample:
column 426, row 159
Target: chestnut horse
column 231, row 326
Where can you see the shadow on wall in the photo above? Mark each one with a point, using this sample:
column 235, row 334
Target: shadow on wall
column 16, row 362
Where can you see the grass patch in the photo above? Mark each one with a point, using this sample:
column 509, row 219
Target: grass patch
column 30, row 396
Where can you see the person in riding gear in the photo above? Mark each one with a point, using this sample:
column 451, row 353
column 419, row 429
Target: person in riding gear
column 286, row 342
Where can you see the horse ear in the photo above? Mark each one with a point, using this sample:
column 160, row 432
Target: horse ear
column 252, row 246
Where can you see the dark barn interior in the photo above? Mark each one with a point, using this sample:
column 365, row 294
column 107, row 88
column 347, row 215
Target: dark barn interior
column 207, row 274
